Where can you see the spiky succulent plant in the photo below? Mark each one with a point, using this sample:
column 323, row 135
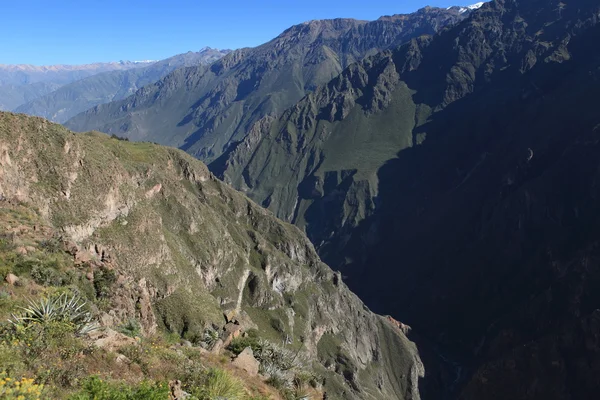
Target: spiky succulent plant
column 62, row 308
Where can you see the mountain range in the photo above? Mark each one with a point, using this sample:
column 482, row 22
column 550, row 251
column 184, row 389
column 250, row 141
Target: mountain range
column 22, row 83
column 205, row 110
column 444, row 162
column 81, row 95
column 61, row 91
column 25, row 74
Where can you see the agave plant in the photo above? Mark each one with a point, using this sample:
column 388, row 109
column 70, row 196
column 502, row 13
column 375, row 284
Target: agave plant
column 284, row 358
column 210, row 337
column 63, row 308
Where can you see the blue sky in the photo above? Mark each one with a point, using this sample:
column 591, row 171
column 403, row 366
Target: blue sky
column 44, row 32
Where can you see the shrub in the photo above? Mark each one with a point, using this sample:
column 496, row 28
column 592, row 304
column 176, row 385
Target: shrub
column 62, row 308
column 238, row 344
column 113, row 136
column 220, row 385
column 48, row 276
column 23, row 389
column 131, row 328
column 104, row 278
column 95, row 388
column 4, row 270
column 53, row 245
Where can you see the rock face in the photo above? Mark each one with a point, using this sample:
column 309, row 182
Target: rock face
column 454, row 183
column 207, row 110
column 246, row 361
column 179, row 259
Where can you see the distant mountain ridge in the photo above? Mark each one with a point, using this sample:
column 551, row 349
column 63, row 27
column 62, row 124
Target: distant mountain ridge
column 12, row 96
column 73, row 98
column 206, row 110
column 23, row 74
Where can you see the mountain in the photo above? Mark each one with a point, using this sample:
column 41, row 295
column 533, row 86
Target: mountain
column 81, row 95
column 453, row 181
column 24, row 74
column 205, row 110
column 161, row 244
column 12, row 96
column 22, row 83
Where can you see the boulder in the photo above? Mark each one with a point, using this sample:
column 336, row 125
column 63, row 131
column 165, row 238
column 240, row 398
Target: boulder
column 82, row 257
column 70, row 247
column 245, row 322
column 110, row 340
column 246, row 361
column 122, row 359
column 218, row 347
column 230, row 332
column 176, row 392
column 11, row 279
column 230, row 315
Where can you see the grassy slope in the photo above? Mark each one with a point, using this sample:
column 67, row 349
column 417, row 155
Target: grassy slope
column 63, row 362
column 163, row 217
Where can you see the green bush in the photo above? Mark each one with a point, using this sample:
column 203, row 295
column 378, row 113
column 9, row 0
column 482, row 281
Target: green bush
column 131, row 328
column 220, row 385
column 48, row 276
column 113, row 136
column 53, row 245
column 238, row 344
column 104, row 278
column 4, row 270
column 95, row 388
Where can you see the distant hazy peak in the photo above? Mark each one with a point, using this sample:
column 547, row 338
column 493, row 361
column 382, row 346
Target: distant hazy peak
column 67, row 67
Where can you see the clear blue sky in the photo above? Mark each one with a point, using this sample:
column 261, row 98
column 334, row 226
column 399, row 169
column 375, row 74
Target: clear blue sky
column 44, row 32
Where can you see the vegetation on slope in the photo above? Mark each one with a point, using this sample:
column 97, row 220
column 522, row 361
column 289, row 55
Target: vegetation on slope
column 49, row 308
column 161, row 241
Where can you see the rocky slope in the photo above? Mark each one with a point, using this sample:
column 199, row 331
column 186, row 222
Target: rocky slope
column 483, row 223
column 206, row 110
column 186, row 248
column 81, row 95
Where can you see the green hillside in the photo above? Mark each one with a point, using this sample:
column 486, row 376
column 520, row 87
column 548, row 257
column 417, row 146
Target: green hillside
column 155, row 244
